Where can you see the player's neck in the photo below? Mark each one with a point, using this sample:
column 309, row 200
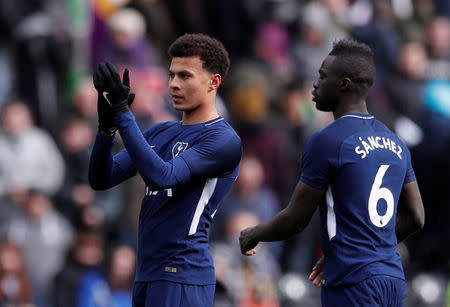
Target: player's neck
column 199, row 115
column 356, row 106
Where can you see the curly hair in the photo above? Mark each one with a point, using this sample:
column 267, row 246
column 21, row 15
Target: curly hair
column 211, row 51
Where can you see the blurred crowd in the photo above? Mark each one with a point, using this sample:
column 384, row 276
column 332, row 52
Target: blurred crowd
column 63, row 244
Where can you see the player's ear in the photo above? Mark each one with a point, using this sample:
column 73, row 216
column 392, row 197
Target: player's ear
column 345, row 84
column 215, row 82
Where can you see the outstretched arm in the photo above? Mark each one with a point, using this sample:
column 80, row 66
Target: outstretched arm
column 288, row 222
column 410, row 212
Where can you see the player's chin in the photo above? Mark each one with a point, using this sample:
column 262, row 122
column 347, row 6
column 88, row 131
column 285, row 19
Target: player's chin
column 323, row 107
column 180, row 106
column 183, row 107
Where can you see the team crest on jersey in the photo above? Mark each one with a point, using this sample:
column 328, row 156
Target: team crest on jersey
column 178, row 148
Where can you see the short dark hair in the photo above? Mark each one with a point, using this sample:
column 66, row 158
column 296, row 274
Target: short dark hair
column 355, row 61
column 211, row 51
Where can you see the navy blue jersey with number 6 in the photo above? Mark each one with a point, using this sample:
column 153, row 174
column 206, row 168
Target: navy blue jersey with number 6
column 362, row 166
column 187, row 170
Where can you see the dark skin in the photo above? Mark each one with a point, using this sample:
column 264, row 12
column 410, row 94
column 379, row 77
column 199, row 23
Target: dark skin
column 338, row 95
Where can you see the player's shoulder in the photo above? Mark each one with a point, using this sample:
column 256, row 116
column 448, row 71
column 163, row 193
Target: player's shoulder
column 334, row 134
column 220, row 129
column 327, row 136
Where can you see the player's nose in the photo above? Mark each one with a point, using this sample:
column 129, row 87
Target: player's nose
column 174, row 84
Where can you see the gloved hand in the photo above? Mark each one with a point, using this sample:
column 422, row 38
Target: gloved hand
column 105, row 120
column 115, row 93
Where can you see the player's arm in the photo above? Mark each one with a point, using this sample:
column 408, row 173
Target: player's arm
column 288, row 222
column 213, row 155
column 410, row 212
column 106, row 170
column 156, row 172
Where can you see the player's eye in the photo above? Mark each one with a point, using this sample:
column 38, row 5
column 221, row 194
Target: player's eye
column 171, row 75
column 184, row 75
column 321, row 74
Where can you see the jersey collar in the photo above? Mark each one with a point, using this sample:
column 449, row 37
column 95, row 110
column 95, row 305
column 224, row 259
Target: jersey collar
column 358, row 115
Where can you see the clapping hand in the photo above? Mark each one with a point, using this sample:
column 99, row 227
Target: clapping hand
column 115, row 95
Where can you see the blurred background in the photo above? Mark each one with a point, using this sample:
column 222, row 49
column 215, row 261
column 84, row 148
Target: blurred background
column 63, row 244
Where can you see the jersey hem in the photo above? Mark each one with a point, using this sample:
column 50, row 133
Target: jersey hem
column 184, row 282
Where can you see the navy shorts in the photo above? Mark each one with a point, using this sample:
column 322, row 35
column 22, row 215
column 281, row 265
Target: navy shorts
column 171, row 294
column 377, row 291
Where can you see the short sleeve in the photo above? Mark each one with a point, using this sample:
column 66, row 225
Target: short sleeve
column 315, row 162
column 410, row 176
column 216, row 154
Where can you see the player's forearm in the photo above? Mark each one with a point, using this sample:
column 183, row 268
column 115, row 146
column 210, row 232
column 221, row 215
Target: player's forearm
column 411, row 213
column 100, row 164
column 282, row 227
column 155, row 171
column 405, row 227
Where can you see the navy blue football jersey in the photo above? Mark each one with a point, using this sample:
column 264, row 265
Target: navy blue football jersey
column 187, row 170
column 362, row 166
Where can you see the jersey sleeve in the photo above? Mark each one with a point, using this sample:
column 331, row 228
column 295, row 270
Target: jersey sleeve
column 202, row 159
column 410, row 176
column 106, row 171
column 316, row 162
column 216, row 153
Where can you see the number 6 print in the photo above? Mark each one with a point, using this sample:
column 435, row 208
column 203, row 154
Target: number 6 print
column 378, row 193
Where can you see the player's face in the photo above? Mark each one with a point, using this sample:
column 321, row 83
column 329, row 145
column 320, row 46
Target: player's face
column 189, row 83
column 325, row 91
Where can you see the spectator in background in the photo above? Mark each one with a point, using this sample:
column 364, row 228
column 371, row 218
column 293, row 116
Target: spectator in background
column 113, row 288
column 412, row 25
column 127, row 44
column 249, row 194
column 405, row 87
column 380, row 35
column 84, row 102
column 249, row 105
column 101, row 11
column 299, row 117
column 271, row 50
column 87, row 254
column 44, row 236
column 247, row 283
column 29, row 158
column 266, row 67
column 76, row 197
column 438, row 43
column 42, row 54
column 160, row 26
column 14, row 284
column 317, row 32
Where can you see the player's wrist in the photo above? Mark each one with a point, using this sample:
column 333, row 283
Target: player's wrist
column 108, row 133
column 120, row 108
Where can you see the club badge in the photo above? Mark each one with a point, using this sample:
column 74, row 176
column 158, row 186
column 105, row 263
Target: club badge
column 178, row 148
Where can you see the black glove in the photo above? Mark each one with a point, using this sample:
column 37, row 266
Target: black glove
column 105, row 120
column 116, row 94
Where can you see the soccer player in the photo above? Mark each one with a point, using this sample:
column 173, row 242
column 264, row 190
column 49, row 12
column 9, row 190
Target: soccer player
column 359, row 173
column 188, row 166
